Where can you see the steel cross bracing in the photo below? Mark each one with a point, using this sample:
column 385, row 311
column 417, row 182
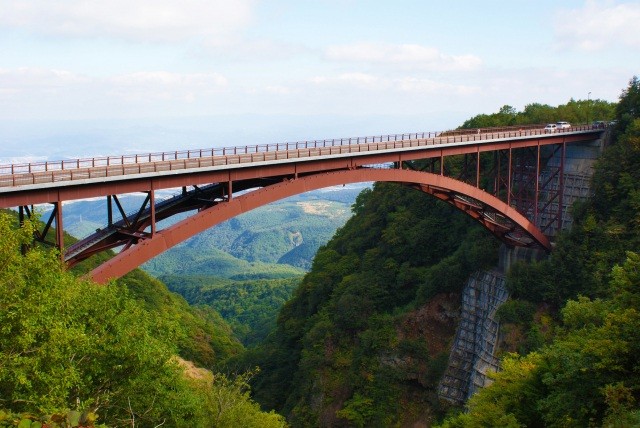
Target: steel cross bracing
column 494, row 176
column 142, row 224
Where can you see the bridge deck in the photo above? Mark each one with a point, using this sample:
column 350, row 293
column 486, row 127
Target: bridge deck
column 37, row 182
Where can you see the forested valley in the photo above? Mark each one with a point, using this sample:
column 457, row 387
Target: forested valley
column 364, row 338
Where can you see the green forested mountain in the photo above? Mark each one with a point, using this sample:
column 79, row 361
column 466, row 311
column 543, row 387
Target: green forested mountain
column 287, row 232
column 247, row 267
column 250, row 306
column 350, row 347
column 364, row 340
column 186, row 260
column 244, row 268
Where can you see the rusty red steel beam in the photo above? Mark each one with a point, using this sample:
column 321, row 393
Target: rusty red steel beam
column 435, row 184
column 142, row 177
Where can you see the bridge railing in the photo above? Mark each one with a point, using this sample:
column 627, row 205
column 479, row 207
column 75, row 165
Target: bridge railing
column 69, row 164
column 77, row 169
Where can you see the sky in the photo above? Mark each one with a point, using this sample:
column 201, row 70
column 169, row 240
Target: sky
column 81, row 78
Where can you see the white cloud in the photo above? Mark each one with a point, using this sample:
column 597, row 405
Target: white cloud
column 162, row 85
column 28, row 92
column 599, row 25
column 412, row 84
column 359, row 79
column 403, row 84
column 140, row 20
column 406, row 55
column 252, row 49
column 36, row 82
column 278, row 90
column 31, row 81
column 204, row 81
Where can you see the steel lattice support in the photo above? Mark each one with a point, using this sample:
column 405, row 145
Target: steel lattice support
column 525, row 173
column 41, row 236
column 551, row 189
column 133, row 228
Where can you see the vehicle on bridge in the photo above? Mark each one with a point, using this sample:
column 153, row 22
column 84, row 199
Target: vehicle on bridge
column 563, row 125
column 550, row 128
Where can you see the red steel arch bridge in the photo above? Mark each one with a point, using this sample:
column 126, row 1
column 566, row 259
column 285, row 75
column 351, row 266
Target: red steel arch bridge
column 508, row 179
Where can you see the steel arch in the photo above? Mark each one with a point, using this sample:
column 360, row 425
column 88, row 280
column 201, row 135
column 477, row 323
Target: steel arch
column 501, row 219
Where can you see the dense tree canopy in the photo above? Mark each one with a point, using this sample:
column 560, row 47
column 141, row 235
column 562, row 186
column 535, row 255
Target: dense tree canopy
column 250, row 307
column 575, row 112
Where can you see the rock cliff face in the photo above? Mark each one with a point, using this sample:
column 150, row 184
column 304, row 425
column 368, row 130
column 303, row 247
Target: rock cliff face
column 472, row 353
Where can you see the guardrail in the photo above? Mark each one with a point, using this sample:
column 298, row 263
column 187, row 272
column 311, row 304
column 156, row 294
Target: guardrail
column 109, row 166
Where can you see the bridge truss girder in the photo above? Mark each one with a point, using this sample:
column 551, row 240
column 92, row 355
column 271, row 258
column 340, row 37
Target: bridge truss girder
column 503, row 221
column 513, row 175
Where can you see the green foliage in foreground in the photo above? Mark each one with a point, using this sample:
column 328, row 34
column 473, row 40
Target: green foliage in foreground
column 71, row 345
column 206, row 338
column 250, row 307
column 70, row 419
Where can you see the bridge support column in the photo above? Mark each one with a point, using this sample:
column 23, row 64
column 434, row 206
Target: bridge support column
column 510, row 168
column 478, row 167
column 24, row 247
column 537, row 195
column 109, row 211
column 59, row 230
column 563, row 156
column 152, row 202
